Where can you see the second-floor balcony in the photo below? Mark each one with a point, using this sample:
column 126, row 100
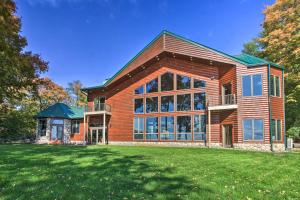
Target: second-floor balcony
column 98, row 108
column 222, row 102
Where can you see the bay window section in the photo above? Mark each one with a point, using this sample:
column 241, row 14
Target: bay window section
column 276, row 130
column 139, row 105
column 75, row 124
column 167, row 81
column 199, row 83
column 138, row 129
column 151, row 104
column 253, row 129
column 183, row 82
column 252, row 85
column 167, row 128
column 167, row 104
column 42, row 127
column 199, row 101
column 152, row 86
column 183, row 102
column 199, row 127
column 183, row 128
column 152, row 128
column 139, row 90
column 275, row 86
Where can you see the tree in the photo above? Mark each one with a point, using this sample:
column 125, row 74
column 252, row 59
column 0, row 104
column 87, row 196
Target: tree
column 19, row 69
column 279, row 42
column 74, row 89
column 50, row 93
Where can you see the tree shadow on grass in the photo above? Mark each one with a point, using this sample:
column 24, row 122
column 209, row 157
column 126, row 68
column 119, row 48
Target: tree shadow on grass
column 52, row 172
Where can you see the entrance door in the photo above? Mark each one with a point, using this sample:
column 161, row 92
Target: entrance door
column 226, row 93
column 95, row 136
column 227, row 135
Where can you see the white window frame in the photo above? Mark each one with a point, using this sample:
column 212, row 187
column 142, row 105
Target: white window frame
column 251, row 85
column 139, row 118
column 274, row 85
column 252, row 121
column 274, row 132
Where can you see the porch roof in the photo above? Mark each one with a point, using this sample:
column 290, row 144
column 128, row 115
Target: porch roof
column 61, row 110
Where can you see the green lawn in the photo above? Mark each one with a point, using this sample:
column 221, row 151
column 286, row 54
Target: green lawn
column 119, row 172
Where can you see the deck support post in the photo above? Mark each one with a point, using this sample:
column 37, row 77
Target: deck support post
column 104, row 129
column 84, row 128
column 209, row 127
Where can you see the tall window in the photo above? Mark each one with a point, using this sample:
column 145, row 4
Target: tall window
column 199, row 83
column 151, row 128
column 167, row 81
column 199, row 101
column 199, row 127
column 139, row 105
column 252, row 85
column 167, row 104
column 42, row 127
column 183, row 82
column 183, row 128
column 151, row 104
column 138, row 132
column 75, row 124
column 183, row 102
column 152, row 86
column 276, row 129
column 253, row 129
column 167, row 128
column 275, row 86
column 139, row 90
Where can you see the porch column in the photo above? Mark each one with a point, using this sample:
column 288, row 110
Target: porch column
column 104, row 129
column 87, row 126
column 209, row 127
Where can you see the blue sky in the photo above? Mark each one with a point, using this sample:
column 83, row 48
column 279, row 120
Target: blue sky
column 90, row 40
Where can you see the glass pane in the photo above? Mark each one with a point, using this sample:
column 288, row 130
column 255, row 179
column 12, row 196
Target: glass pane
column 151, row 104
column 199, row 124
column 59, row 132
column 167, row 104
column 167, row 82
column 257, row 85
column 272, row 85
column 183, row 82
column 152, row 136
column 258, row 129
column 167, row 136
column 277, row 86
column 167, row 124
column 139, row 105
column 152, row 125
column 183, row 102
column 246, row 85
column 54, row 133
column 152, row 86
column 199, row 136
column 247, row 129
column 199, row 101
column 42, row 127
column 58, row 121
column 183, row 124
column 184, row 136
column 139, row 90
column 138, row 136
column 141, row 125
column 273, row 126
column 278, row 129
column 199, row 83
column 136, row 125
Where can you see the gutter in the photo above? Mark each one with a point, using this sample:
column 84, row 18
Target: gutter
column 270, row 108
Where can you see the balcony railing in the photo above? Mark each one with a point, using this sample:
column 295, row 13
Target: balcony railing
column 98, row 107
column 222, row 100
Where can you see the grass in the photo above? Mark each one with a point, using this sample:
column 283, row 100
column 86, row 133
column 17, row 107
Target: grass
column 119, row 172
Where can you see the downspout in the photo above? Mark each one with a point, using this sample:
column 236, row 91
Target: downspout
column 283, row 93
column 270, row 107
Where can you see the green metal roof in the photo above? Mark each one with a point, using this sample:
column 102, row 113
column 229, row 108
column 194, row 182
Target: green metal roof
column 253, row 60
column 61, row 110
column 244, row 59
